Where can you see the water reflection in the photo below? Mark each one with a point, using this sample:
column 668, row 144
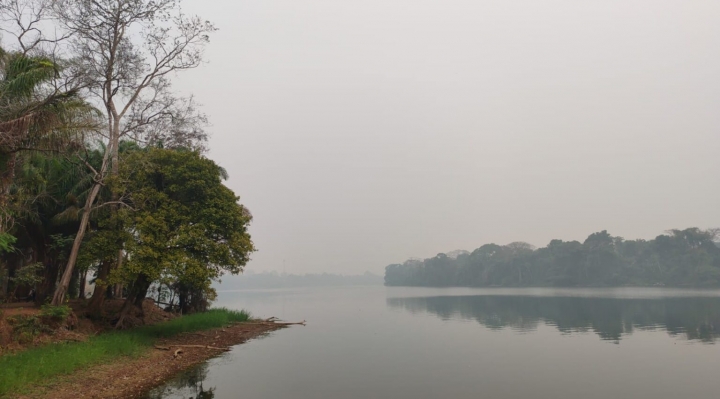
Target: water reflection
column 187, row 385
column 611, row 318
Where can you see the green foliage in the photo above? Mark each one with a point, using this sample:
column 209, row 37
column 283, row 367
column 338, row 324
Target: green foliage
column 27, row 328
column 689, row 257
column 23, row 75
column 46, row 187
column 27, row 275
column 38, row 365
column 60, row 242
column 181, row 225
column 6, row 243
column 55, row 313
column 36, row 115
column 213, row 318
column 30, row 117
column 187, row 226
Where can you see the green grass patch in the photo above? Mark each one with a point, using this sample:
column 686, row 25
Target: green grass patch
column 39, row 365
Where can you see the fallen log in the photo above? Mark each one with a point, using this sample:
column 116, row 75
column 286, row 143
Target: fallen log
column 272, row 323
column 299, row 323
column 167, row 348
column 202, row 346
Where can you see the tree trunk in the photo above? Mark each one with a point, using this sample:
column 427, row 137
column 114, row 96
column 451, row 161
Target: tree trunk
column 183, row 303
column 41, row 254
column 118, row 291
column 3, row 280
column 95, row 306
column 133, row 303
column 83, row 283
column 12, row 262
column 62, row 288
column 45, row 288
column 114, row 171
column 7, row 175
column 73, row 288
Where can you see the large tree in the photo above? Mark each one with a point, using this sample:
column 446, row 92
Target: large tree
column 126, row 49
column 187, row 227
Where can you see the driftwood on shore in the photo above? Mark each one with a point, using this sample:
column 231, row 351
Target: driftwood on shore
column 263, row 323
column 273, row 321
column 179, row 349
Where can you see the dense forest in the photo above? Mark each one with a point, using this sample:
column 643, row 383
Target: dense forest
column 103, row 172
column 683, row 258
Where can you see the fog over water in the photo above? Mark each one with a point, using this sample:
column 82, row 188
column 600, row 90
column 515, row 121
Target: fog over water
column 391, row 342
column 363, row 133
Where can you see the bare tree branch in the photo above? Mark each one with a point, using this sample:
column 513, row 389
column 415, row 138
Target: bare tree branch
column 126, row 49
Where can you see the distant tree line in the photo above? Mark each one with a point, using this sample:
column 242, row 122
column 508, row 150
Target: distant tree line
column 683, row 258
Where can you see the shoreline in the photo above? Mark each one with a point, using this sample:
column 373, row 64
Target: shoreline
column 135, row 377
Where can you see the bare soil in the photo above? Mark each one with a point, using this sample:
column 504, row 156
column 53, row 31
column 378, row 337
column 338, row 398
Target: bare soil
column 134, row 377
column 77, row 328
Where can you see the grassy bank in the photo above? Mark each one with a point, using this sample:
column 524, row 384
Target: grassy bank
column 38, row 365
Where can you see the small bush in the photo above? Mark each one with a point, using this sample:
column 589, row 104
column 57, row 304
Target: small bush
column 25, row 337
column 28, row 275
column 58, row 316
column 26, row 328
column 55, row 313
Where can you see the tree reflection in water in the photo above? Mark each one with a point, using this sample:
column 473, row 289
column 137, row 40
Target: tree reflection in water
column 610, row 318
column 188, row 385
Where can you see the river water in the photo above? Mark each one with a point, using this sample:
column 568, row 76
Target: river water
column 395, row 342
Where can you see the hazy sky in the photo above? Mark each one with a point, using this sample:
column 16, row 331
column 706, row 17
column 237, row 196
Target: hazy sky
column 361, row 133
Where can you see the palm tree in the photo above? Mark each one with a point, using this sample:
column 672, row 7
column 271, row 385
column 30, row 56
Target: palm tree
column 50, row 191
column 45, row 194
column 34, row 116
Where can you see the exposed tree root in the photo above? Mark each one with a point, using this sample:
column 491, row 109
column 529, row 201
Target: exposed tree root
column 130, row 317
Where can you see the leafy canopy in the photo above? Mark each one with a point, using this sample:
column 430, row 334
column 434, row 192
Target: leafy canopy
column 185, row 222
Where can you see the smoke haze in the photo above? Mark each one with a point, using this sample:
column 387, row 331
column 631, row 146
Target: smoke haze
column 361, row 133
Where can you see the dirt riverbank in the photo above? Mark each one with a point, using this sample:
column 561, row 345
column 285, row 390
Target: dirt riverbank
column 134, row 377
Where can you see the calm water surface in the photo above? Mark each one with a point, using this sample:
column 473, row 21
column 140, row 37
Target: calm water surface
column 386, row 342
